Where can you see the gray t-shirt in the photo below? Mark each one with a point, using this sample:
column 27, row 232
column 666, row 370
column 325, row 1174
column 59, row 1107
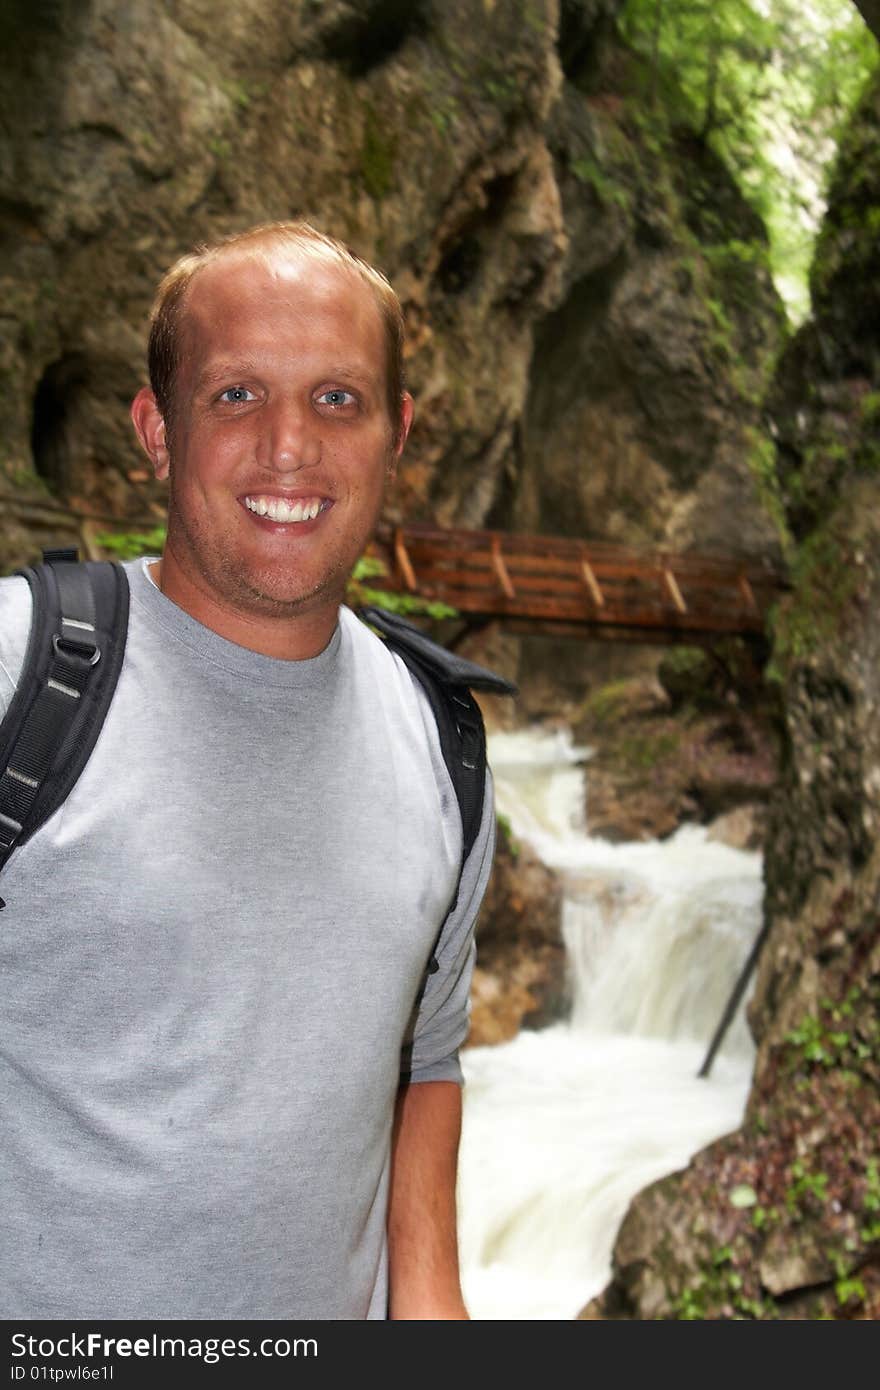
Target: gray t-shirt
column 211, row 961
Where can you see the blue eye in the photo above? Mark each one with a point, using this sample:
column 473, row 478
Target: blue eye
column 237, row 394
column 337, row 397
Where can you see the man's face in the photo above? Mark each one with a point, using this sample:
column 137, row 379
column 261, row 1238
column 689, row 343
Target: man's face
column 281, row 442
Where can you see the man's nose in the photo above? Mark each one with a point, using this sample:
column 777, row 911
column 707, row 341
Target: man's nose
column 293, row 439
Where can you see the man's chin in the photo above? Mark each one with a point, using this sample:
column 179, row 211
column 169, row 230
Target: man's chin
column 272, row 596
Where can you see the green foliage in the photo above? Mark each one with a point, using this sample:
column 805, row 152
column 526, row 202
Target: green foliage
column 506, row 830
column 128, row 545
column 835, row 1037
column 768, row 86
column 717, row 1290
column 805, row 1188
column 849, row 1291
column 764, row 1216
column 360, row 593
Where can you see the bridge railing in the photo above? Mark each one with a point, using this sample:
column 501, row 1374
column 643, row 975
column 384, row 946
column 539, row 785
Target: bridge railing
column 551, row 580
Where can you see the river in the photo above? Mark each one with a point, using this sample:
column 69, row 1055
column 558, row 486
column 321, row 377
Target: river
column 564, row 1125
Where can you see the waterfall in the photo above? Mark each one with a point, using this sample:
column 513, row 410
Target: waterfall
column 563, row 1126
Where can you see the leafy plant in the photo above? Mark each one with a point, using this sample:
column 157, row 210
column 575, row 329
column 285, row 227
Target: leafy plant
column 128, row 545
column 506, row 830
column 360, row 593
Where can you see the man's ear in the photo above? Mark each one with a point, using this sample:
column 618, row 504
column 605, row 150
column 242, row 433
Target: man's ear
column 150, row 429
column 407, row 408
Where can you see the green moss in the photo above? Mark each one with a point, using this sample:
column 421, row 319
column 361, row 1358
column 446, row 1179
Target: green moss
column 502, row 90
column 870, row 408
column 588, row 171
column 736, row 265
column 642, row 751
column 237, row 92
column 824, row 582
column 26, row 477
column 604, row 705
column 378, row 153
column 534, row 17
column 761, row 459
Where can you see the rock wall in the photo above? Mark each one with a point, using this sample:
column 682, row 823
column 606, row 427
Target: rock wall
column 587, row 300
column 782, row 1219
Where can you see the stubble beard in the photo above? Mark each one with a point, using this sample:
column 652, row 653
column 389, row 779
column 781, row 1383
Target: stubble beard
column 218, row 570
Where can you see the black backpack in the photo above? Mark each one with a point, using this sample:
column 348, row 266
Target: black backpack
column 73, row 659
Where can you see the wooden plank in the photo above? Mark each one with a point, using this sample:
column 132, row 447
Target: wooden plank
column 592, row 584
column 518, row 562
column 574, row 583
column 499, row 568
column 747, row 592
column 526, row 543
column 542, row 606
column 403, row 562
column 607, row 632
column 674, row 590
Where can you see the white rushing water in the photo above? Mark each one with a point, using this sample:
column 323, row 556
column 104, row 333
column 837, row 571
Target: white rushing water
column 562, row 1127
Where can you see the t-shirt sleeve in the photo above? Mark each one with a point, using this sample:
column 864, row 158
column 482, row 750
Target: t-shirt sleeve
column 442, row 1014
column 15, row 621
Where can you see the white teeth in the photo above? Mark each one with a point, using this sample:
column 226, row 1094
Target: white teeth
column 279, row 509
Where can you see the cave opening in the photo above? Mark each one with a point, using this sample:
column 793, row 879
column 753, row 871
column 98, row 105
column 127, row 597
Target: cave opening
column 54, row 409
column 367, row 40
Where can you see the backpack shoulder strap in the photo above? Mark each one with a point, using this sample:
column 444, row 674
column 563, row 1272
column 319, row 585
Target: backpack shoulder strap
column 448, row 680
column 73, row 659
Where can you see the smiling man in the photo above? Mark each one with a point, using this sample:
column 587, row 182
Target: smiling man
column 229, row 1081
column 282, row 431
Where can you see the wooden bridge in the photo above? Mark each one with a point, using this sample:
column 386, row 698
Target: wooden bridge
column 550, row 584
column 528, row 583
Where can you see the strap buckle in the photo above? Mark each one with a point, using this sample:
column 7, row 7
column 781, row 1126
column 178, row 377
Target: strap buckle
column 76, row 647
column 9, row 831
column 467, row 726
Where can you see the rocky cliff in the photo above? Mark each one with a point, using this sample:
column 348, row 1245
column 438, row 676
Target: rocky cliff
column 782, row 1219
column 589, row 311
